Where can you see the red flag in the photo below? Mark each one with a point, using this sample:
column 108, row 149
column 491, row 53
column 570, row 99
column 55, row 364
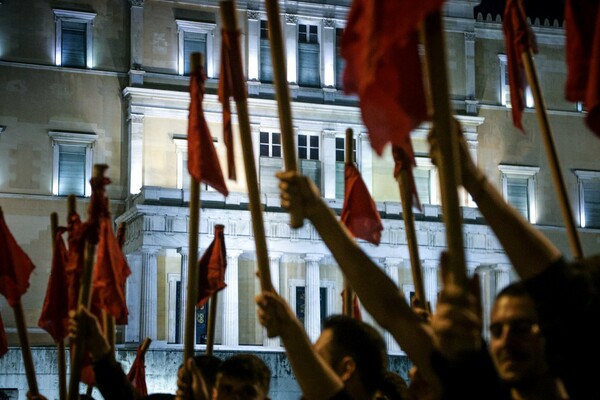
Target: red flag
column 212, row 266
column 110, row 272
column 519, row 38
column 229, row 50
column 359, row 212
column 74, row 268
column 356, row 314
column 3, row 340
column 380, row 45
column 406, row 161
column 582, row 20
column 137, row 372
column 203, row 163
column 15, row 266
column 55, row 311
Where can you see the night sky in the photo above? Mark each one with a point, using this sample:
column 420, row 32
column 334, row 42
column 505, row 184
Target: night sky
column 551, row 9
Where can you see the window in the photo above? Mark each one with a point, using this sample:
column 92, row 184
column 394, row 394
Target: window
column 72, row 163
column 589, row 198
column 73, row 38
column 518, row 188
column 340, row 63
column 308, row 55
column 426, row 181
column 270, row 161
column 505, row 87
column 340, row 160
column 308, row 154
column 195, row 37
column 301, row 302
column 327, row 298
column 266, row 65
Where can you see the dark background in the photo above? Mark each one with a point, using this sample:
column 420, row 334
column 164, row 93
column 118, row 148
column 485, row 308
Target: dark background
column 551, row 9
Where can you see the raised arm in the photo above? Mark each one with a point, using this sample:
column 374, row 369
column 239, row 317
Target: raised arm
column 316, row 379
column 378, row 293
column 529, row 251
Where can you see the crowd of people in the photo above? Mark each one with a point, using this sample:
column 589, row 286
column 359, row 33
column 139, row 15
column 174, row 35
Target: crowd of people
column 543, row 328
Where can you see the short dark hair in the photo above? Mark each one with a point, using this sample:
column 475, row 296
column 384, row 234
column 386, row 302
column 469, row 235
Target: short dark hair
column 247, row 367
column 362, row 342
column 514, row 289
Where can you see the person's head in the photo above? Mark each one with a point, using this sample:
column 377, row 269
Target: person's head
column 392, row 387
column 209, row 367
column 516, row 342
column 243, row 376
column 355, row 351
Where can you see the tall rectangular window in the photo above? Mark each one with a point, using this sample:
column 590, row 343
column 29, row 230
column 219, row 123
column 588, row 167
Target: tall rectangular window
column 308, row 56
column 589, row 198
column 505, row 85
column 270, row 161
column 301, row 303
column 72, row 163
column 423, row 183
column 195, row 37
column 266, row 64
column 308, row 154
column 73, row 38
column 518, row 188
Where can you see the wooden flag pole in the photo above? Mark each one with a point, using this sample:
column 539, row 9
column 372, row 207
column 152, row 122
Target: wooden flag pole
column 60, row 345
column 85, row 297
column 551, row 154
column 411, row 237
column 238, row 84
column 282, row 93
column 25, row 349
column 189, row 334
column 211, row 323
column 348, row 292
column 446, row 135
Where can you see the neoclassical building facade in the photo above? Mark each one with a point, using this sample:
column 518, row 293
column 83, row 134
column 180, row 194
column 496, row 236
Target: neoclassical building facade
column 107, row 82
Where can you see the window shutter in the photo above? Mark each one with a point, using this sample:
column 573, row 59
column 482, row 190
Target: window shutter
column 422, row 177
column 312, row 169
column 193, row 42
column 339, row 180
column 268, row 167
column 71, row 170
column 591, row 198
column 73, row 44
column 308, row 62
column 517, row 194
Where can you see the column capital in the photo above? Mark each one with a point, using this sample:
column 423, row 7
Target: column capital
column 291, row 19
column 275, row 255
column 253, row 14
column 136, row 118
column 234, row 253
column 470, row 36
column 183, row 250
column 329, row 133
column 136, row 3
column 328, row 23
column 152, row 250
column 313, row 257
column 392, row 262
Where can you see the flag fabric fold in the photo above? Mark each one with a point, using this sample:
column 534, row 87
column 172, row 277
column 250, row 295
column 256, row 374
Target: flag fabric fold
column 137, row 372
column 212, row 265
column 383, row 67
column 359, row 212
column 110, row 273
column 3, row 340
column 582, row 20
column 203, row 163
column 54, row 318
column 15, row 266
column 519, row 38
column 229, row 50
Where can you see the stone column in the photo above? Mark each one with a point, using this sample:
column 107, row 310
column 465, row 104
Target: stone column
column 488, row 291
column 274, row 260
column 470, row 99
column 184, row 253
column 231, row 335
column 329, row 164
column 255, row 133
column 391, row 266
column 149, row 301
column 136, row 148
column 253, row 45
column 136, row 74
column 366, row 159
column 312, row 305
column 502, row 272
column 290, row 37
column 328, row 47
column 430, row 281
column 134, row 296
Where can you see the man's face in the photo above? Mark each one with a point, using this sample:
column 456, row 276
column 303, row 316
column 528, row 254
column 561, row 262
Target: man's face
column 516, row 343
column 233, row 388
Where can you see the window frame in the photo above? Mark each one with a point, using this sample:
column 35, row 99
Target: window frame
column 319, row 45
column 206, row 28
column 82, row 139
column 327, row 284
column 425, row 164
column 87, row 18
column 505, row 86
column 583, row 175
column 508, row 171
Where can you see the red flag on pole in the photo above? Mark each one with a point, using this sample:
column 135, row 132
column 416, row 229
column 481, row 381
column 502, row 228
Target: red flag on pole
column 15, row 266
column 211, row 277
column 3, row 340
column 203, row 163
column 519, row 38
column 110, row 273
column 229, row 48
column 137, row 372
column 380, row 46
column 406, row 161
column 356, row 314
column 76, row 241
column 55, row 311
column 359, row 212
column 582, row 20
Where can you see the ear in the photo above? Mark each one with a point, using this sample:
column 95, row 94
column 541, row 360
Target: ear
column 346, row 368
